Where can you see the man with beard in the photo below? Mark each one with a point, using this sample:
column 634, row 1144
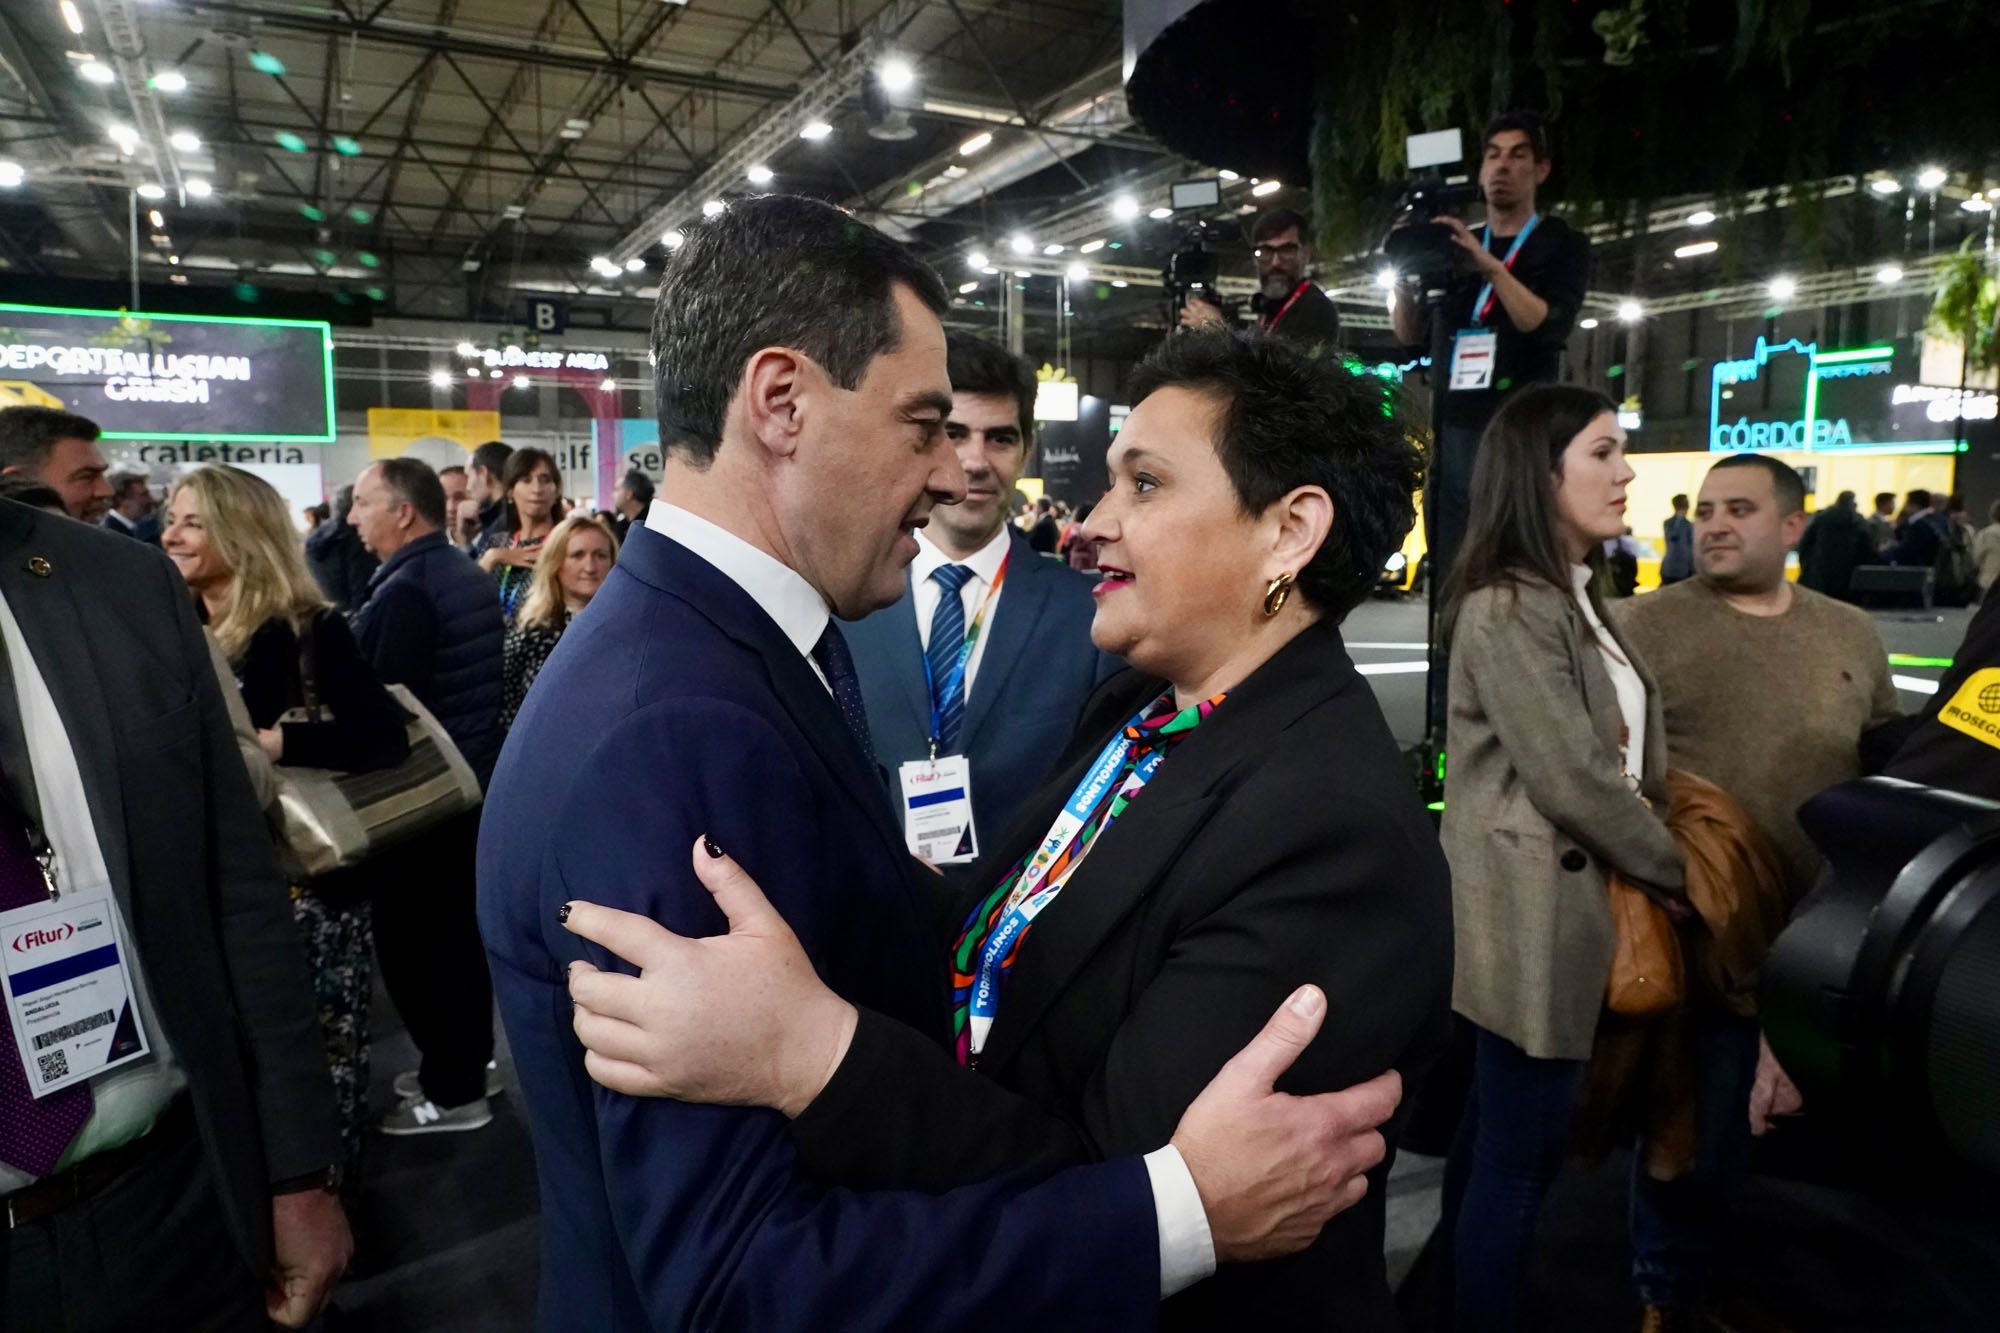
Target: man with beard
column 1288, row 302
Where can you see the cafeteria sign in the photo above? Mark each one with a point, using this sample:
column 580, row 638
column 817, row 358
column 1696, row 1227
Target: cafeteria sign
column 176, row 377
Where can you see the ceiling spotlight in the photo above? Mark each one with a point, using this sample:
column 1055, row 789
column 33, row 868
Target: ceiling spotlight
column 520, row 381
column 1694, row 248
column 816, row 131
column 573, row 128
column 1630, row 312
column 96, row 71
column 967, row 288
column 1888, row 273
column 896, row 74
column 974, row 144
column 159, row 221
column 1701, row 217
column 1228, row 175
column 1053, row 248
column 977, row 259
column 466, row 349
column 714, row 208
column 1930, row 178
column 1160, row 214
column 635, row 265
column 759, row 174
column 1588, row 322
column 1077, row 272
column 1386, row 279
column 609, row 386
column 1090, row 247
column 124, row 136
column 1262, row 188
column 151, row 191
column 1887, row 185
column 604, row 265
column 1978, row 203
column 170, row 81
column 1783, row 288
column 72, row 17
column 1020, row 244
column 440, row 379
column 173, row 259
column 673, row 240
column 990, row 271
column 266, row 63
column 1125, row 208
column 185, row 141
column 1120, row 282
column 199, row 188
column 475, row 373
column 11, row 174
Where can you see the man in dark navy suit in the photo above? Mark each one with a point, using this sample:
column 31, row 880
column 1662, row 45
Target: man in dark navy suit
column 976, row 591
column 706, row 698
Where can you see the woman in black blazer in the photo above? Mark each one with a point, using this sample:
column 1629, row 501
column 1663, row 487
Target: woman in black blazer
column 230, row 535
column 1262, row 832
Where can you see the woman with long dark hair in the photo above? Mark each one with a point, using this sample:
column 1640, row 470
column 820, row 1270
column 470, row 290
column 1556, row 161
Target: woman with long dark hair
column 1558, row 762
column 531, row 506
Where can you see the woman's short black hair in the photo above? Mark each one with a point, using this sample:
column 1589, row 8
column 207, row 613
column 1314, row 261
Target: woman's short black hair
column 1291, row 419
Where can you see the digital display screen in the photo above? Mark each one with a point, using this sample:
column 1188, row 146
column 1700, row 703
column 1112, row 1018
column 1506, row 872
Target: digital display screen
column 174, row 377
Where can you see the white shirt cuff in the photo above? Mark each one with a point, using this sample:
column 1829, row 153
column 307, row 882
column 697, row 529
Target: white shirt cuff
column 1187, row 1250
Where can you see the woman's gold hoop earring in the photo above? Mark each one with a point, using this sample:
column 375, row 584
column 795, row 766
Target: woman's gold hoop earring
column 1277, row 594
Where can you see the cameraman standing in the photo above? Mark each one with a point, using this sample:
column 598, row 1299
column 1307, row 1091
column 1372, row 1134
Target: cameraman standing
column 1288, row 302
column 1509, row 305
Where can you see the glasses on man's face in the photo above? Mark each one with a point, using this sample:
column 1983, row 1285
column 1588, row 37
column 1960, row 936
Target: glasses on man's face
column 1289, row 250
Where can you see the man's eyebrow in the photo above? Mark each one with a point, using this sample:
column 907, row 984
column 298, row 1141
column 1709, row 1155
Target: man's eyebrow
column 936, row 399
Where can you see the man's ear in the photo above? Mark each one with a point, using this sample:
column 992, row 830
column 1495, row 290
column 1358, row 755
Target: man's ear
column 770, row 395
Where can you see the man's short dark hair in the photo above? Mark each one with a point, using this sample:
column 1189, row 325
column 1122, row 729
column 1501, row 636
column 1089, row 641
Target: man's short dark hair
column 1845, row 498
column 28, row 435
column 1280, row 220
column 775, row 270
column 122, row 482
column 1680, row 502
column 492, row 456
column 977, row 365
column 412, row 482
column 1786, row 484
column 1528, row 123
column 1919, row 498
column 1290, row 419
column 639, row 485
column 1885, row 499
column 446, row 471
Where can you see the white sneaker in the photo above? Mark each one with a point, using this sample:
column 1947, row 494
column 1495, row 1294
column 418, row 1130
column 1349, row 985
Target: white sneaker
column 424, row 1116
column 407, row 1088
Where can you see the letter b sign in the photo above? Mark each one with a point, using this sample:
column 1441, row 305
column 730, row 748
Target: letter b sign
column 547, row 316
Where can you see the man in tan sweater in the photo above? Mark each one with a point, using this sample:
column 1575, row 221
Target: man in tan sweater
column 1766, row 688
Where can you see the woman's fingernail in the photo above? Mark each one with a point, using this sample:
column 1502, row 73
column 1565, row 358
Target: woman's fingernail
column 1306, row 1001
column 708, row 845
column 562, row 913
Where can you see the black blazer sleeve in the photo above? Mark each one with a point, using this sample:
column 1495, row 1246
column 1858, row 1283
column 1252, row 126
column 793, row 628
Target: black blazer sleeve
column 367, row 729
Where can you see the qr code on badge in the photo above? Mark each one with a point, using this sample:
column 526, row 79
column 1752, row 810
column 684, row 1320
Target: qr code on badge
column 55, row 1065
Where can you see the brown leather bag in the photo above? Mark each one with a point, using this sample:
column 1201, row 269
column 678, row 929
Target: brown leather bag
column 1648, row 977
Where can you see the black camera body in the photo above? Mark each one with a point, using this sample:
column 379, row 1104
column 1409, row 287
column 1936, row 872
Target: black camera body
column 1192, row 271
column 1418, row 248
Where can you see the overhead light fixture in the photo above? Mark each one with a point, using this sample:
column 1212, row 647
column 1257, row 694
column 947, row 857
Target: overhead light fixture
column 170, row 81
column 974, row 144
column 714, row 208
column 1887, row 185
column 1160, row 214
column 1783, row 287
column 346, row 145
column 1054, row 248
column 603, row 264
column 152, row 191
column 124, row 136
column 673, row 240
column 198, row 187
column 1888, row 273
column 759, row 174
column 635, row 265
column 1077, row 272
column 520, row 381
column 1262, row 188
column 288, row 141
column 469, row 264
column 573, row 128
column 1020, row 244
column 1023, row 273
column 954, row 171
column 1124, row 208
column 1120, row 282
column 896, row 74
column 466, row 349
column 967, row 288
column 1588, row 322
column 185, row 141
column 1978, row 203
column 1930, row 178
column 816, row 131
column 475, row 373
column 1090, row 247
column 609, row 386
column 514, row 212
column 990, row 271
column 1385, row 278
column 1630, row 312
column 158, row 219
column 178, row 279
column 1701, row 217
column 96, row 71
column 266, row 63
column 1693, row 248
column 11, row 174
column 173, row 259
column 440, row 379
column 1228, row 175
column 72, row 17
column 977, row 259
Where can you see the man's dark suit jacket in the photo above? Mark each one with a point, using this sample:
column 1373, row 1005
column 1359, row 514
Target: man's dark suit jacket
column 1282, row 843
column 1038, row 669
column 113, row 630
column 699, row 717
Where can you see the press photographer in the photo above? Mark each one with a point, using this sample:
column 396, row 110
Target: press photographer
column 1288, row 302
column 1508, row 303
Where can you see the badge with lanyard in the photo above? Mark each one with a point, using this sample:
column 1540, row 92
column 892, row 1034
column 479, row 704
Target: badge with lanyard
column 1475, row 350
column 937, row 791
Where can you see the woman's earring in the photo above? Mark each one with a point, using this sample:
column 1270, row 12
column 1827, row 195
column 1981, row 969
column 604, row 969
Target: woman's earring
column 1277, row 594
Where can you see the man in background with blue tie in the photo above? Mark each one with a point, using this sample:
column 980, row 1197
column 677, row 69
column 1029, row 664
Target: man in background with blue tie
column 988, row 650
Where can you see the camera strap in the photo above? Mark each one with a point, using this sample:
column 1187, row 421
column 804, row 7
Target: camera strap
column 1482, row 304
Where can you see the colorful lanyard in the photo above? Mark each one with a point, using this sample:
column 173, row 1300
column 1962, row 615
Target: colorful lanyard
column 1042, row 877
column 955, row 679
column 1297, row 292
column 1482, row 304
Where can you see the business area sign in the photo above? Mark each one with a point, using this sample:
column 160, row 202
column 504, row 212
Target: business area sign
column 176, row 377
column 1841, row 400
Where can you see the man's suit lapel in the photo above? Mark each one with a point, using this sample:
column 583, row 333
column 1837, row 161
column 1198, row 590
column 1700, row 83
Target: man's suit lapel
column 1015, row 616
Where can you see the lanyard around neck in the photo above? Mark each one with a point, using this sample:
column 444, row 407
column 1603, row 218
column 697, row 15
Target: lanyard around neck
column 1482, row 304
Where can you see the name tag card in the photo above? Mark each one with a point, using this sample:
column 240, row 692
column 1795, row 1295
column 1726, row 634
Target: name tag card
column 1472, row 354
column 69, row 992
column 937, row 810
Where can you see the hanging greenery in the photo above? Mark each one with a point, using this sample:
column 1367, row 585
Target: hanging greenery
column 1967, row 306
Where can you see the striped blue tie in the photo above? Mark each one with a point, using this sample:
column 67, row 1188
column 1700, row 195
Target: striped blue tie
column 947, row 637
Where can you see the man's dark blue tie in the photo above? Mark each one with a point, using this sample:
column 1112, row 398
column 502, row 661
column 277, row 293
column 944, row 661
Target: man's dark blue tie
column 33, row 1131
column 947, row 637
column 833, row 658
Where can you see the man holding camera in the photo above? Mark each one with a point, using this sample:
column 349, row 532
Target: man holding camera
column 1288, row 302
column 1509, row 305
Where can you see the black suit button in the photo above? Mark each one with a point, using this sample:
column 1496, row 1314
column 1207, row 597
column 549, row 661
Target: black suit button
column 1574, row 860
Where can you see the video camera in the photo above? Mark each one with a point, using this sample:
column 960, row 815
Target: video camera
column 1413, row 246
column 1192, row 271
